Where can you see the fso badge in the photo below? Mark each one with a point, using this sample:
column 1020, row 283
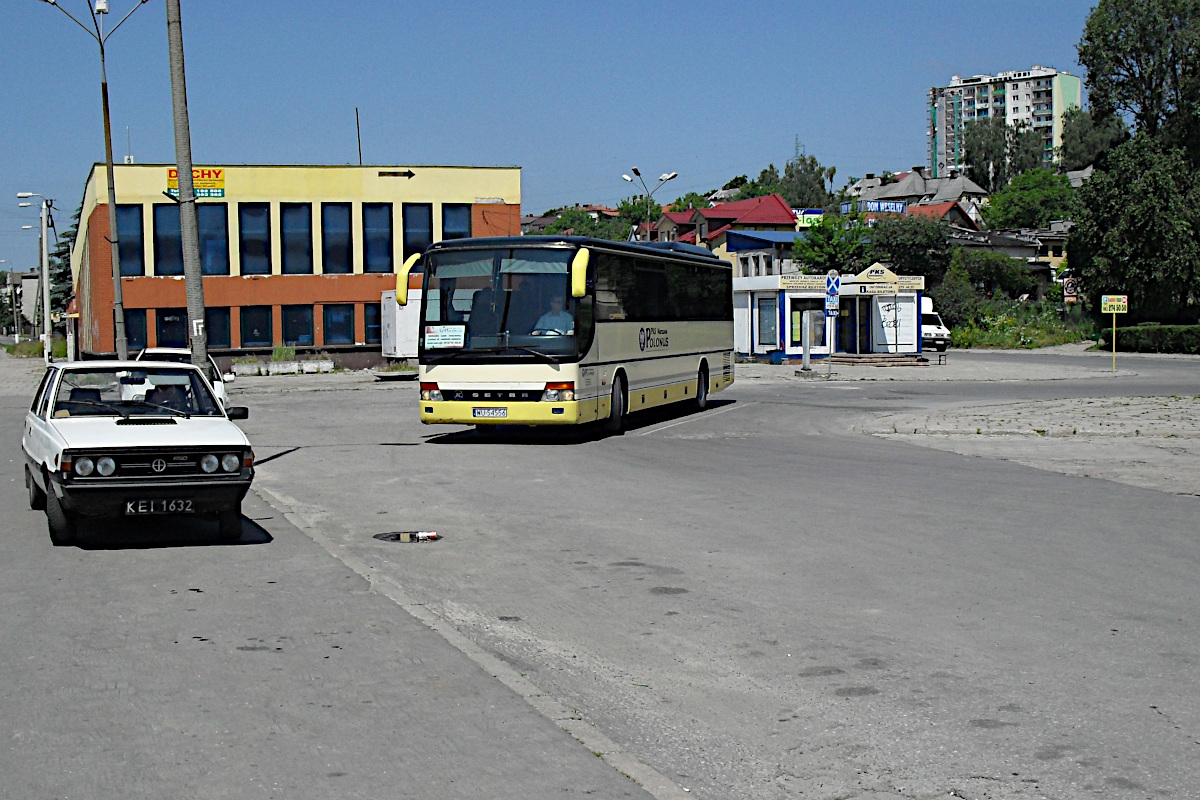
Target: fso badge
column 652, row 338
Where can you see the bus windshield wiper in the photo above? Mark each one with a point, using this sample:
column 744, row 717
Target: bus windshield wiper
column 460, row 353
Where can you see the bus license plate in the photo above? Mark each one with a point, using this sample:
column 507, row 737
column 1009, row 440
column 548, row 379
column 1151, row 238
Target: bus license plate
column 158, row 506
column 489, row 413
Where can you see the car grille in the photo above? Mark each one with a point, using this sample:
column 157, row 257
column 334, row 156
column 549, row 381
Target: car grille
column 494, row 395
column 157, row 464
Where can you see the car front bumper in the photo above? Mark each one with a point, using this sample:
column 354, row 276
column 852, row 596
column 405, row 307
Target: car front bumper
column 112, row 499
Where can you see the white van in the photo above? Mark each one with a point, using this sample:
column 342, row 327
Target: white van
column 934, row 335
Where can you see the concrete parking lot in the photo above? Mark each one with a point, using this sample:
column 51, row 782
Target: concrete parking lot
column 895, row 582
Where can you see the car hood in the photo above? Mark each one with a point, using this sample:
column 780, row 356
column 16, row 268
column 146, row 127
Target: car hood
column 194, row 432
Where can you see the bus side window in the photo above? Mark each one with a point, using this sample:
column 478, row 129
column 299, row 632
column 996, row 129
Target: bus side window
column 610, row 293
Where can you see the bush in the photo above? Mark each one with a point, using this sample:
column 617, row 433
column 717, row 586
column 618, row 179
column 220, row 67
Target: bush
column 1155, row 339
column 1009, row 324
column 282, row 353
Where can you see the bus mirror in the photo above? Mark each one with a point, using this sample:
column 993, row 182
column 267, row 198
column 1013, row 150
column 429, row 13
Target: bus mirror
column 579, row 266
column 402, row 279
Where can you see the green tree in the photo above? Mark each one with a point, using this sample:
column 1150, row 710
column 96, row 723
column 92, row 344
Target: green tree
column 997, row 152
column 769, row 181
column 802, row 182
column 955, row 298
column 61, row 284
column 691, row 200
column 836, row 242
column 1138, row 232
column 1142, row 59
column 1032, row 200
column 913, row 246
column 1086, row 137
column 992, row 273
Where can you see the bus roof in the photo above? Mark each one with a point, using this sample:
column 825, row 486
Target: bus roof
column 660, row 249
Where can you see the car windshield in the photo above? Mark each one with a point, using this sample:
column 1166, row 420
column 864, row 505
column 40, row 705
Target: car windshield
column 505, row 301
column 123, row 392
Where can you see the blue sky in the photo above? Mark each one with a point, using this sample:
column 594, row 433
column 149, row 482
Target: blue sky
column 575, row 94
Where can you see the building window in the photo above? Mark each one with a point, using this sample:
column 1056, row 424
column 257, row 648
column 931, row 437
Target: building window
column 377, row 237
column 130, row 238
column 216, row 323
column 170, row 325
column 768, row 322
column 339, row 323
column 168, row 247
column 254, row 238
column 372, row 317
column 256, row 326
column 418, row 228
column 336, row 246
column 298, row 325
column 295, row 226
column 213, row 219
column 456, row 221
column 135, row 327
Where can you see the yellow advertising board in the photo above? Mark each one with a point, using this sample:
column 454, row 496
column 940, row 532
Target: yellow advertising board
column 206, row 181
column 1114, row 304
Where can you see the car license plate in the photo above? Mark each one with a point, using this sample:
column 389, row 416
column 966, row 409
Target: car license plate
column 489, row 413
column 158, row 506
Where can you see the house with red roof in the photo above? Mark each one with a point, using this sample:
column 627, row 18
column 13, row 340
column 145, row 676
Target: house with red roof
column 951, row 212
column 768, row 213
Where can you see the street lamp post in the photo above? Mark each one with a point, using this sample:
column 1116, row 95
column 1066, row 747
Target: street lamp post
column 45, row 242
column 98, row 11
column 666, row 176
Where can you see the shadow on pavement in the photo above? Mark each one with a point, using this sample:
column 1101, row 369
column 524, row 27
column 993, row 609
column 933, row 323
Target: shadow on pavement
column 142, row 534
column 571, row 434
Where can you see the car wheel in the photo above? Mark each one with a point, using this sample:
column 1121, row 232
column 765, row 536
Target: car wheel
column 37, row 498
column 61, row 522
column 229, row 523
column 702, row 389
column 616, row 408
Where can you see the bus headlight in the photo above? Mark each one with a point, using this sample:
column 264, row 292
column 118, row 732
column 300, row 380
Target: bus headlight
column 559, row 393
column 430, row 392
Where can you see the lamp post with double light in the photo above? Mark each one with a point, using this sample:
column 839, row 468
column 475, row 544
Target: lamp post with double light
column 45, row 241
column 98, row 10
column 666, row 176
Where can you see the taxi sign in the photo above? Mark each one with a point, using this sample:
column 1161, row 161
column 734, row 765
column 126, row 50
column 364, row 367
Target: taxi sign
column 1114, row 304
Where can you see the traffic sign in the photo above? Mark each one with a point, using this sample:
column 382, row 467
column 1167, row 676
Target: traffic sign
column 1114, row 304
column 832, row 305
column 833, row 283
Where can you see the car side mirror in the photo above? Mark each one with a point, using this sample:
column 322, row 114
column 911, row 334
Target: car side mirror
column 237, row 412
column 228, row 377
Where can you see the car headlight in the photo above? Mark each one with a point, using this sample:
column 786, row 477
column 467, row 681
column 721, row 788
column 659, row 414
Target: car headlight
column 84, row 466
column 106, row 466
column 209, row 463
column 230, row 462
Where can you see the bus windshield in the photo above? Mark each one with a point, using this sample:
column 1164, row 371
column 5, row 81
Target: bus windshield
column 507, row 302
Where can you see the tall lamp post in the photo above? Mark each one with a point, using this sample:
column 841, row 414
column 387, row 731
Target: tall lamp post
column 98, row 10
column 45, row 242
column 666, row 176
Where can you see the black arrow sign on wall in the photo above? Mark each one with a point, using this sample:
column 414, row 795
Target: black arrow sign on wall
column 408, row 173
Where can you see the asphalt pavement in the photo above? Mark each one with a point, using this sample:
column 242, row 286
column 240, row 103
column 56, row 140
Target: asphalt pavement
column 792, row 594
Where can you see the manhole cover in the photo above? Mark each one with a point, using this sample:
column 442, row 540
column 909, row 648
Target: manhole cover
column 408, row 536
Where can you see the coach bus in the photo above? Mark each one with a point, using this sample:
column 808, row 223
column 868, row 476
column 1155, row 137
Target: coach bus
column 562, row 330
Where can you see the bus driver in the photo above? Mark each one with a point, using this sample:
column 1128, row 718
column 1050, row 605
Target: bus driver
column 556, row 320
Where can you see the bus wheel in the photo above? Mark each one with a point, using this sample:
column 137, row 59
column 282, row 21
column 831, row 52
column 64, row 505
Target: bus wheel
column 702, row 389
column 616, row 409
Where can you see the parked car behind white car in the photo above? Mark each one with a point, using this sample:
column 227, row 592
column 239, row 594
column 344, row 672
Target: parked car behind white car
column 132, row 439
column 181, row 355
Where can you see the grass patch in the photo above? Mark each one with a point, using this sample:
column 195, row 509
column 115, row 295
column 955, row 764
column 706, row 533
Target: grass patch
column 1012, row 325
column 282, row 353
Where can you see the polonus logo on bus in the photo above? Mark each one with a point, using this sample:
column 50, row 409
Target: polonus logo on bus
column 652, row 338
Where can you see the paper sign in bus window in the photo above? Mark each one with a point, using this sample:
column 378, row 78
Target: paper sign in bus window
column 445, row 336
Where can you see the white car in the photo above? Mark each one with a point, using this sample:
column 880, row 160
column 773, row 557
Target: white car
column 133, row 439
column 181, row 355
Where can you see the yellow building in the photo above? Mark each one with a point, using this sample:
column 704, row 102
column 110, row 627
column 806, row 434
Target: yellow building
column 291, row 255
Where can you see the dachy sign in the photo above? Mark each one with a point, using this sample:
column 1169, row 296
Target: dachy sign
column 206, row 181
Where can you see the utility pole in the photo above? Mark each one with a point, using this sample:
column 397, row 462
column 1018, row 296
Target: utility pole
column 188, row 221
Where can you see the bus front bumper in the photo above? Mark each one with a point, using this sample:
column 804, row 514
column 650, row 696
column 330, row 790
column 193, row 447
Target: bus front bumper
column 463, row 412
